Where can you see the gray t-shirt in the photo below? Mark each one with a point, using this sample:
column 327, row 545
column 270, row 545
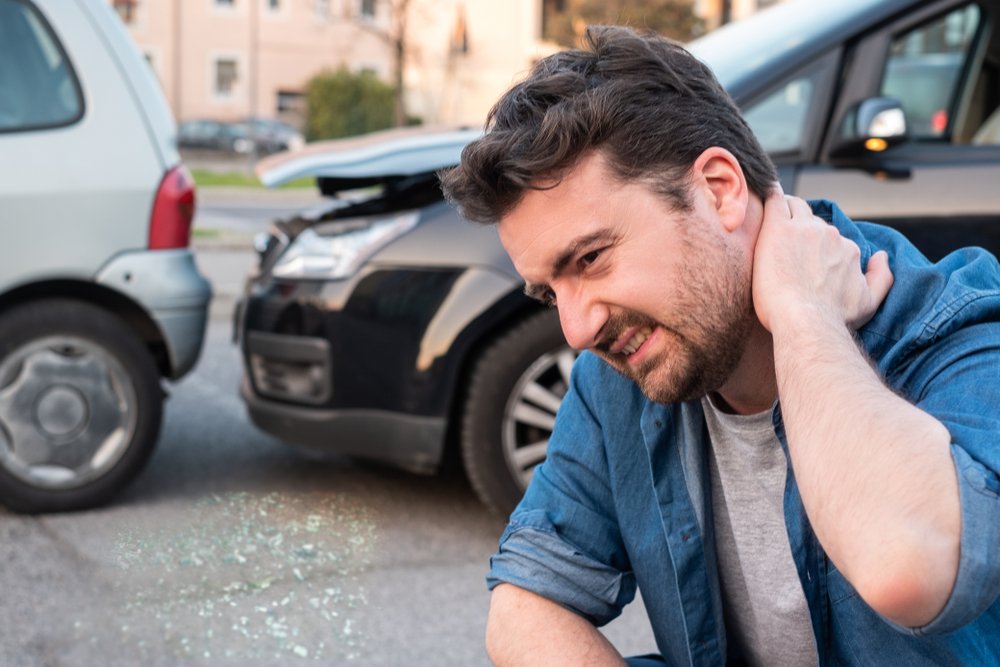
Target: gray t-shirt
column 765, row 608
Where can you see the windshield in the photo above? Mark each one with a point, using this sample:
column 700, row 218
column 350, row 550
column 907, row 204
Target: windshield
column 783, row 35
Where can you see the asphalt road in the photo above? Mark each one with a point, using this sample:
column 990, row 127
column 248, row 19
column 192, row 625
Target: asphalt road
column 233, row 548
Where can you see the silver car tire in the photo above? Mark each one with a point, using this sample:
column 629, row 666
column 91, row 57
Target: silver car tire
column 80, row 406
column 515, row 389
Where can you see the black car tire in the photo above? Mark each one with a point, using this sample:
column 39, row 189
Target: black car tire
column 80, row 406
column 515, row 388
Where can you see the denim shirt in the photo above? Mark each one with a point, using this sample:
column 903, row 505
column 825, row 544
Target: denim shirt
column 623, row 498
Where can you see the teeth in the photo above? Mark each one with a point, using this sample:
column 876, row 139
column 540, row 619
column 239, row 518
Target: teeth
column 637, row 340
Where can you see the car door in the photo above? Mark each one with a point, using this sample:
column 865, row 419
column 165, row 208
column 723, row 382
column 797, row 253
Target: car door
column 939, row 186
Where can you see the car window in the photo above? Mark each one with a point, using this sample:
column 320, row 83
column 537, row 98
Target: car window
column 779, row 120
column 37, row 85
column 945, row 83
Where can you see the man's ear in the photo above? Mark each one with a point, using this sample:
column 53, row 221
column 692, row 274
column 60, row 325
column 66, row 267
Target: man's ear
column 725, row 187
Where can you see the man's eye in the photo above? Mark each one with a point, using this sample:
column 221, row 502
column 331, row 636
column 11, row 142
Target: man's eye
column 548, row 297
column 590, row 257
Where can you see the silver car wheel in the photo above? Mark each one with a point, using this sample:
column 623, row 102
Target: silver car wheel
column 530, row 413
column 67, row 412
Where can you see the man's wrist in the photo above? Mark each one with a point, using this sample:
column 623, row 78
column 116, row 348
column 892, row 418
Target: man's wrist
column 806, row 321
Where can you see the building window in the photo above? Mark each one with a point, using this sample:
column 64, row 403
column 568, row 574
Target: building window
column 290, row 101
column 225, row 76
column 274, row 5
column 126, row 9
column 322, row 9
column 225, row 3
column 368, row 9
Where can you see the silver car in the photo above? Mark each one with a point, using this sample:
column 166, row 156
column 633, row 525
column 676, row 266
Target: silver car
column 99, row 295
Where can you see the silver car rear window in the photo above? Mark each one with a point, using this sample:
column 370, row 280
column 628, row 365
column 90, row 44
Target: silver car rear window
column 38, row 88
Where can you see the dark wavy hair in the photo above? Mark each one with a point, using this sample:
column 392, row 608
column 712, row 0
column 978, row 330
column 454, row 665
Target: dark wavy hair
column 643, row 101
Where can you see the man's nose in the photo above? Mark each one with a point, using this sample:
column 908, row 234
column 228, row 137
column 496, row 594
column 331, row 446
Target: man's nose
column 581, row 320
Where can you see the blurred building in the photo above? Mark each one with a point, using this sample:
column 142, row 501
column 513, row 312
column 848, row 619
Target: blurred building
column 467, row 53
column 227, row 59
column 720, row 12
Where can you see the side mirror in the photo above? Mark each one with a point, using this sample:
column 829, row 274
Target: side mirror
column 871, row 126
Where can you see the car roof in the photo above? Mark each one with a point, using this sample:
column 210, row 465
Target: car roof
column 772, row 42
column 396, row 152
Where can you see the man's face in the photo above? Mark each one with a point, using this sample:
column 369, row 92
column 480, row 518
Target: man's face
column 662, row 296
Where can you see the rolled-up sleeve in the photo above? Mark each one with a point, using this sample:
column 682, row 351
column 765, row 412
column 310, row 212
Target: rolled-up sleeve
column 535, row 558
column 963, row 392
column 562, row 541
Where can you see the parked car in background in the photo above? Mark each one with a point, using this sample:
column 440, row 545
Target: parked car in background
column 213, row 135
column 278, row 134
column 100, row 299
column 261, row 135
column 388, row 328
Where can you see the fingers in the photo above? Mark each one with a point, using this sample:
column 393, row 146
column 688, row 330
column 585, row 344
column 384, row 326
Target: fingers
column 775, row 206
column 776, row 211
column 800, row 209
column 802, row 259
column 879, row 276
column 781, row 206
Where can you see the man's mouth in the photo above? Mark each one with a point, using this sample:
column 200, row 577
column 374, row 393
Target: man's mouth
column 636, row 340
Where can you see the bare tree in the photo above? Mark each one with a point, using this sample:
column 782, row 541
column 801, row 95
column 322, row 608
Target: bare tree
column 395, row 37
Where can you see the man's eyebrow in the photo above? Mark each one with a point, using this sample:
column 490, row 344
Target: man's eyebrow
column 563, row 260
column 537, row 290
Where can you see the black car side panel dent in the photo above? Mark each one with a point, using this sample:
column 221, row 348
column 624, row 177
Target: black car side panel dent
column 379, row 336
column 481, row 304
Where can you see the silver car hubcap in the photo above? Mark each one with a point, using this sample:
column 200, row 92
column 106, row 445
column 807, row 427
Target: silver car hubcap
column 531, row 410
column 67, row 412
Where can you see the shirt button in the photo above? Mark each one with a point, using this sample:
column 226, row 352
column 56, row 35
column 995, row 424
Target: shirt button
column 658, row 424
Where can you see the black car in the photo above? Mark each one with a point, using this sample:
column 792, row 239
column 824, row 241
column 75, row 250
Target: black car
column 388, row 328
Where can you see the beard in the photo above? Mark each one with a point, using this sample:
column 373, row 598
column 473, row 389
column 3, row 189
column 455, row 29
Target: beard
column 711, row 317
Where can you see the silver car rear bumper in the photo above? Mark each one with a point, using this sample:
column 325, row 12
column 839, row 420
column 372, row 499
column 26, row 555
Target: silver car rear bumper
column 167, row 284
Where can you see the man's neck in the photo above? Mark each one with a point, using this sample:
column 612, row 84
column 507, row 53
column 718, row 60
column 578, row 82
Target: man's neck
column 752, row 387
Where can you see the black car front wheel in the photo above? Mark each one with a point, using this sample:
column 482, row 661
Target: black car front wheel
column 80, row 406
column 516, row 388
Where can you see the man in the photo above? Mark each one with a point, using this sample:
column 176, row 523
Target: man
column 784, row 429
